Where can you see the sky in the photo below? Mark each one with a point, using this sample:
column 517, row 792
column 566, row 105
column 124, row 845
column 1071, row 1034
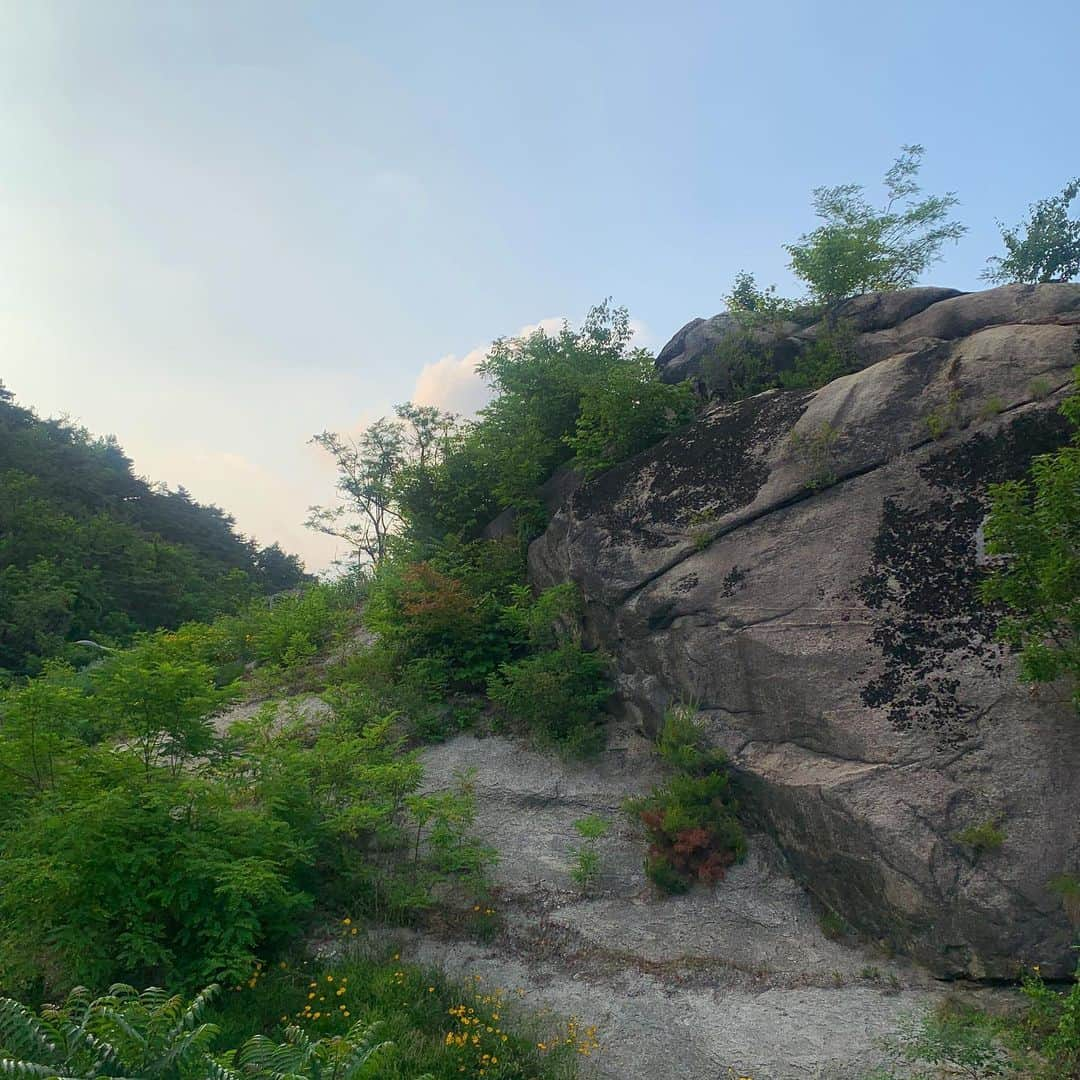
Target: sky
column 227, row 226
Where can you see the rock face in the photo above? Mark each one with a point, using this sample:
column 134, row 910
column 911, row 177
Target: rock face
column 805, row 567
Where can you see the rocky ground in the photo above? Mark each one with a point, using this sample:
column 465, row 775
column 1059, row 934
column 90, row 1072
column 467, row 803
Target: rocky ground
column 736, row 980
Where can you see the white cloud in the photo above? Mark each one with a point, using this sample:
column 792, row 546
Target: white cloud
column 452, row 382
column 641, row 336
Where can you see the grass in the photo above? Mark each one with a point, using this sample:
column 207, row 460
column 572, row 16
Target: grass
column 833, row 926
column 438, row 1027
column 982, row 838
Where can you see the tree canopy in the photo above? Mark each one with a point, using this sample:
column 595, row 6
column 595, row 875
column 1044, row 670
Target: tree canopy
column 860, row 248
column 1043, row 247
column 89, row 549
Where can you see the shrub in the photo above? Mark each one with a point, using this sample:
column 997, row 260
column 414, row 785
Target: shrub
column 421, row 611
column 1048, row 250
column 862, row 249
column 1067, row 887
column 693, row 831
column 293, row 629
column 834, row 927
column 539, row 382
column 119, row 872
column 167, row 852
column 816, row 448
column 625, row 410
column 1039, row 389
column 1034, row 525
column 559, row 694
column 360, row 1018
column 123, row 1033
column 965, row 1044
column 982, row 838
column 738, row 367
column 830, row 355
column 757, row 307
column 945, row 418
column 1053, row 1024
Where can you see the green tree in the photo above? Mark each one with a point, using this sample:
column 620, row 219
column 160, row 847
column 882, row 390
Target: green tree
column 539, row 382
column 1044, row 247
column 1034, row 529
column 160, row 700
column 625, row 410
column 90, row 550
column 38, row 729
column 860, row 248
column 370, row 476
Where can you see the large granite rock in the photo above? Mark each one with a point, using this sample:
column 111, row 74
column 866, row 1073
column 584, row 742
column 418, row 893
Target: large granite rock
column 805, row 567
column 884, row 324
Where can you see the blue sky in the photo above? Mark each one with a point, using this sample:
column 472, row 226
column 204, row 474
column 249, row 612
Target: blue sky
column 226, row 226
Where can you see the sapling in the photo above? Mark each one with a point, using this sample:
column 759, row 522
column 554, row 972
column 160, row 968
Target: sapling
column 587, row 867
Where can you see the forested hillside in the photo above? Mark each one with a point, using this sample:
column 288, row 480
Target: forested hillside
column 89, row 549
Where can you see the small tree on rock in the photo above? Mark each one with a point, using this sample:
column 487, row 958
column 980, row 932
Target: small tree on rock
column 861, row 249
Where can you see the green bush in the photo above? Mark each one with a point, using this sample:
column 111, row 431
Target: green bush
column 539, row 384
column 559, row 694
column 118, row 872
column 738, row 367
column 1034, row 528
column 136, row 842
column 693, row 831
column 1048, row 250
column 981, row 838
column 123, row 1033
column 425, row 478
column 1052, row 1024
column 294, row 629
column 419, row 611
column 743, row 362
column 1041, row 1041
column 625, row 410
column 816, row 449
column 830, row 355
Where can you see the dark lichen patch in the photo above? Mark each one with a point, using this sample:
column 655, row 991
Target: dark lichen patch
column 924, row 580
column 714, row 467
column 732, row 580
column 687, row 583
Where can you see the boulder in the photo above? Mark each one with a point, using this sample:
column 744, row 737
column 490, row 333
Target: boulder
column 884, row 324
column 806, row 568
column 687, row 355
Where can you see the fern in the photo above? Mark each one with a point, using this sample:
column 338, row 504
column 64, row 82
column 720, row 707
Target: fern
column 152, row 1035
column 337, row 1057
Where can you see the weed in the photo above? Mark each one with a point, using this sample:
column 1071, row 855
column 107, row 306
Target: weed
column 981, row 838
column 1067, row 886
column 1039, row 389
column 587, row 868
column 944, row 418
column 816, row 448
column 833, row 926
